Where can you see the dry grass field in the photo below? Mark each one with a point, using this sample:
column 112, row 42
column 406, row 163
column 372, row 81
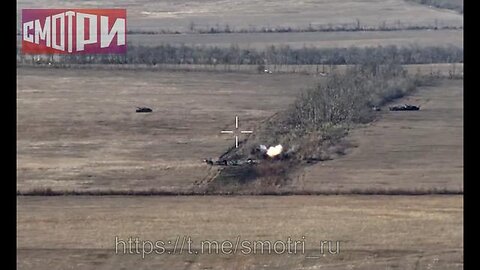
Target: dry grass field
column 374, row 232
column 404, row 150
column 313, row 39
column 77, row 129
column 177, row 15
column 260, row 41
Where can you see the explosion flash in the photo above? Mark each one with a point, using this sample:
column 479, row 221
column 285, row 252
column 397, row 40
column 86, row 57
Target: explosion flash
column 274, row 150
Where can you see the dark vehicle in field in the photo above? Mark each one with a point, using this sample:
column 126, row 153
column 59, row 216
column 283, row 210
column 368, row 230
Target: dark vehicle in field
column 232, row 162
column 143, row 110
column 405, row 107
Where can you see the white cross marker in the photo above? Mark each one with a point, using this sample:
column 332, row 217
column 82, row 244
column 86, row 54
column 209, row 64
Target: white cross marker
column 232, row 132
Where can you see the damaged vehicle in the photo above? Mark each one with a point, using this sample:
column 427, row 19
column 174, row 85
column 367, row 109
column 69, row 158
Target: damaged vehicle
column 404, row 107
column 258, row 154
column 231, row 162
column 143, row 110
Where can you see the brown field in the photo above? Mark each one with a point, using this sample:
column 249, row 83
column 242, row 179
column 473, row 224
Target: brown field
column 77, row 129
column 315, row 39
column 177, row 15
column 404, row 150
column 374, row 232
column 456, row 5
column 260, row 41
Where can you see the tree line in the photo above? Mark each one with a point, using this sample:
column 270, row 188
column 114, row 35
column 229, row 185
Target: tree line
column 355, row 26
column 271, row 55
column 315, row 124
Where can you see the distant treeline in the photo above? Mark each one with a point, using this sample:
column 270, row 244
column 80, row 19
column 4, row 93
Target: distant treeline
column 344, row 27
column 456, row 5
column 272, row 55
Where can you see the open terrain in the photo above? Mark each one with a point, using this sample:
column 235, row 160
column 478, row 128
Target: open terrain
column 374, row 232
column 178, row 15
column 260, row 41
column 403, row 150
column 253, row 14
column 77, row 129
column 456, row 5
